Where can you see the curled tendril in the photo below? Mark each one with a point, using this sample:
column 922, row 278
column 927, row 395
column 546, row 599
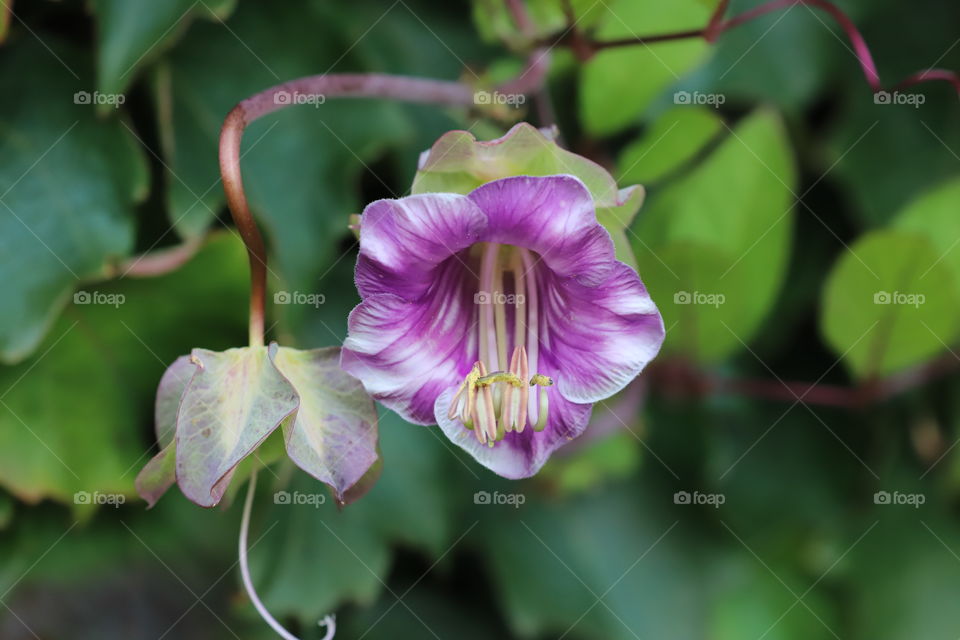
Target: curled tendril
column 328, row 621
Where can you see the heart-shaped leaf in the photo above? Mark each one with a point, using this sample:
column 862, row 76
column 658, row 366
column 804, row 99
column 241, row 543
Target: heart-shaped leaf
column 235, row 400
column 333, row 436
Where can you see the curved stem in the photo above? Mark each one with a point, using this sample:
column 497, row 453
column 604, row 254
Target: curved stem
column 859, row 44
column 717, row 25
column 318, row 88
column 328, row 621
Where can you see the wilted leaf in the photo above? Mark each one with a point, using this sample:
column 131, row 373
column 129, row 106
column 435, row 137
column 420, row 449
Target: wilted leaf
column 102, row 362
column 234, row 401
column 334, row 434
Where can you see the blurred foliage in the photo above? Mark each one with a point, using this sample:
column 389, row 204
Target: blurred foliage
column 790, row 228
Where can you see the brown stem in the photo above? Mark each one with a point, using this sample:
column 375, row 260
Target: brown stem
column 284, row 95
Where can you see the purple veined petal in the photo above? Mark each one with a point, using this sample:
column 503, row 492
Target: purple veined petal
column 333, row 435
column 595, row 340
column 406, row 353
column 235, row 400
column 160, row 473
column 518, row 455
column 402, row 242
column 553, row 216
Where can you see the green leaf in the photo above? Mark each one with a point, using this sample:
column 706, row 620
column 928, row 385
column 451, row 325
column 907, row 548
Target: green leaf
column 901, row 572
column 619, row 83
column 68, row 182
column 713, row 246
column 334, row 434
column 69, row 416
column 934, row 214
column 672, row 140
column 551, row 561
column 235, row 399
column 318, row 556
column 548, row 17
column 132, row 33
column 890, row 302
column 751, row 602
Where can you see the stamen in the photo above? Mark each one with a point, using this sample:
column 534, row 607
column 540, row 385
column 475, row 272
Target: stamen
column 455, row 403
column 543, row 382
column 470, row 410
column 544, row 408
column 485, row 416
column 533, row 319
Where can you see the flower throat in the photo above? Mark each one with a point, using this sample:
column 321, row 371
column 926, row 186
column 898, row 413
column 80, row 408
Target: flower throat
column 494, row 398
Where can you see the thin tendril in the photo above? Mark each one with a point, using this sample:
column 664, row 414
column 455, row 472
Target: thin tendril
column 328, row 621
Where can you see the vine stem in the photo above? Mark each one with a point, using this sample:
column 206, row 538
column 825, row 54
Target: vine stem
column 717, row 25
column 329, row 621
column 320, row 87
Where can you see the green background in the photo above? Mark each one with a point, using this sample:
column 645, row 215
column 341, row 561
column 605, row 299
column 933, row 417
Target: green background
column 796, row 209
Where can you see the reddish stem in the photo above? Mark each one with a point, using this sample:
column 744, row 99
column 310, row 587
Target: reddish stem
column 716, row 26
column 859, row 44
column 284, row 95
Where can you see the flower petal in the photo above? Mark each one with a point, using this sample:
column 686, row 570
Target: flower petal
column 405, row 353
column 402, row 242
column 518, row 455
column 553, row 216
column 598, row 338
